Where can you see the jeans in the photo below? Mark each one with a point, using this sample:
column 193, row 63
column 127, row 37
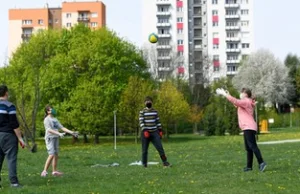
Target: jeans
column 9, row 148
column 251, row 147
column 156, row 141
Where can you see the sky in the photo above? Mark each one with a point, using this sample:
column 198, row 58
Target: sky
column 276, row 24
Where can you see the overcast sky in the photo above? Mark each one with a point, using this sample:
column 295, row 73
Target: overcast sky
column 276, row 24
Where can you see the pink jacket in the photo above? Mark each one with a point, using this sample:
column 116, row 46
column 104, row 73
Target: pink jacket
column 245, row 112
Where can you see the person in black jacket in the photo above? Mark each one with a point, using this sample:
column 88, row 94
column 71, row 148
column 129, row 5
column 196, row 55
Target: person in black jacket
column 10, row 134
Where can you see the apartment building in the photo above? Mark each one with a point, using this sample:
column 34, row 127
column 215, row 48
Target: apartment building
column 212, row 35
column 24, row 22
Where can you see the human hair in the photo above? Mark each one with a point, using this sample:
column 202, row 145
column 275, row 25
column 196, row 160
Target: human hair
column 3, row 90
column 148, row 98
column 47, row 108
column 247, row 91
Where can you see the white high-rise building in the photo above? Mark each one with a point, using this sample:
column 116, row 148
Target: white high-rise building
column 210, row 36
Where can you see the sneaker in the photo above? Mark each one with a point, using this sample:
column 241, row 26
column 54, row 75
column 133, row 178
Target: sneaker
column 247, row 169
column 16, row 185
column 262, row 166
column 57, row 173
column 44, row 173
column 167, row 164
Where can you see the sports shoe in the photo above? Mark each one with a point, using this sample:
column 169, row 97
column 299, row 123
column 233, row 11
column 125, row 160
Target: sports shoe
column 262, row 166
column 167, row 164
column 44, row 173
column 57, row 173
column 247, row 169
column 16, row 185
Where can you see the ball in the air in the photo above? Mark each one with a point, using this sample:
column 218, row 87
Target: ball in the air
column 153, row 38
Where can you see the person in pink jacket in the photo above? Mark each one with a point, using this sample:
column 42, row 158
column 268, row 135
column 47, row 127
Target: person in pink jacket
column 245, row 108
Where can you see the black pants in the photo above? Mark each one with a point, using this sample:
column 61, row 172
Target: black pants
column 156, row 141
column 9, row 148
column 251, row 147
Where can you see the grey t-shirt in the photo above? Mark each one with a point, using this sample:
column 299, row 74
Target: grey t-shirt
column 51, row 123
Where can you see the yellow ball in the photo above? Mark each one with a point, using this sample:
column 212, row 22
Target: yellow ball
column 153, row 38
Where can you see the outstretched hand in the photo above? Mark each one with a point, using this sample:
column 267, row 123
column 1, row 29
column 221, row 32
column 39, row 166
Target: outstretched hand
column 221, row 91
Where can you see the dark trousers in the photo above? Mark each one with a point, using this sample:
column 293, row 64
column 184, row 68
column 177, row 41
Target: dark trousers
column 156, row 141
column 9, row 148
column 251, row 147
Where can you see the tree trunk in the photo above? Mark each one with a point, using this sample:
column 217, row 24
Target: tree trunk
column 85, row 138
column 195, row 128
column 75, row 140
column 96, row 140
column 176, row 127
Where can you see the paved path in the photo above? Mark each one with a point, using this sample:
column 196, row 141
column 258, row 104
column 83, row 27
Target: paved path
column 280, row 141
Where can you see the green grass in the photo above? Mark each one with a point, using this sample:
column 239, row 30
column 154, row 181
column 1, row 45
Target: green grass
column 200, row 165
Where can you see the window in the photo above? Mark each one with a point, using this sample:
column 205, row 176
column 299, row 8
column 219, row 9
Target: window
column 94, row 24
column 179, row 31
column 27, row 22
column 214, row 12
column 244, row 23
column 232, row 68
column 216, row 69
column 245, row 12
column 179, row 9
column 214, row 2
column 244, row 1
column 231, row 34
column 179, row 19
column 180, row 42
column 180, row 53
column 216, row 57
column 94, row 15
column 56, row 21
column 231, row 12
column 69, row 25
column 215, row 24
column 232, row 57
column 68, row 15
column 163, row 42
column 232, row 45
column 231, row 23
column 245, row 45
column 40, row 22
column 163, row 20
column 215, row 46
column 215, row 34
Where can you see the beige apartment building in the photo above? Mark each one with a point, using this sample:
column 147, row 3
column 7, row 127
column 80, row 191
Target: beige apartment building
column 24, row 22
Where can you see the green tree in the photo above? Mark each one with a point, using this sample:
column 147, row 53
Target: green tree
column 293, row 63
column 171, row 105
column 132, row 101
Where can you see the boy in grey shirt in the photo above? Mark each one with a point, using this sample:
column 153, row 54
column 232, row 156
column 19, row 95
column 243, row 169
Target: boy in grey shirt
column 52, row 135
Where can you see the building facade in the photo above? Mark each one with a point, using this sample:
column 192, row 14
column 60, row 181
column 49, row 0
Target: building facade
column 213, row 36
column 24, row 22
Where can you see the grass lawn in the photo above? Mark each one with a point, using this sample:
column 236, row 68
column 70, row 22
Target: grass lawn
column 200, row 165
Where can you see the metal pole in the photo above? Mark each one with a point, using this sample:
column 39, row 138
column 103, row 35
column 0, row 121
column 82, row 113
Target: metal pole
column 115, row 130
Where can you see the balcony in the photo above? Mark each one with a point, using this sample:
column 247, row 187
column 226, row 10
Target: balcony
column 233, row 27
column 163, row 2
column 232, row 16
column 164, row 69
column 198, row 47
column 163, row 46
column 163, row 13
column 24, row 36
column 197, row 15
column 83, row 19
column 164, row 35
column 233, row 61
column 164, row 58
column 232, row 5
column 233, row 39
column 233, row 50
column 167, row 24
column 232, row 72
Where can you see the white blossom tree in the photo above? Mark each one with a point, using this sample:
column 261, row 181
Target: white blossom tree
column 266, row 76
